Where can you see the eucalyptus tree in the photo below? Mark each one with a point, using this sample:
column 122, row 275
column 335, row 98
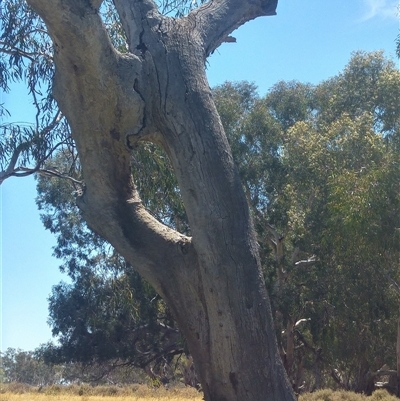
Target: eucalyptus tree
column 324, row 189
column 342, row 205
column 111, row 322
column 27, row 367
column 151, row 86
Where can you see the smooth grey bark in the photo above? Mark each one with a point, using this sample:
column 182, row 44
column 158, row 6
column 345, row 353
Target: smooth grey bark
column 158, row 92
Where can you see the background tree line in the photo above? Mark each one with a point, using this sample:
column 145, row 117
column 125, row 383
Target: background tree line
column 320, row 167
column 29, row 367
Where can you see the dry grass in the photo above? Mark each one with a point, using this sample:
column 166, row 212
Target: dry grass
column 64, row 397
column 18, row 392
column 330, row 395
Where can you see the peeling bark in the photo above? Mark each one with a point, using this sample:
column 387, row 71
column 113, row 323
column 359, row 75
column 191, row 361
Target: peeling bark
column 158, row 92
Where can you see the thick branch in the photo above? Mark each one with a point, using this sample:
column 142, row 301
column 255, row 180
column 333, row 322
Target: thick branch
column 95, row 88
column 215, row 20
column 75, row 24
column 132, row 15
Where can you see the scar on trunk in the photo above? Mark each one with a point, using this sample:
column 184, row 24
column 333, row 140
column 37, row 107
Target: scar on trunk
column 234, row 381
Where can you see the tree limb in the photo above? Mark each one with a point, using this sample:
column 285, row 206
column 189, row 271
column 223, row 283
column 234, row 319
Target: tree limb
column 26, row 171
column 21, row 171
column 394, row 284
column 306, row 262
column 88, row 68
column 382, row 372
column 76, row 23
column 216, row 20
column 9, row 171
column 133, row 14
column 13, row 51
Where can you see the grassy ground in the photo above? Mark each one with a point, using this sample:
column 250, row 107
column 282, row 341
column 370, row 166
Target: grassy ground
column 330, row 395
column 18, row 392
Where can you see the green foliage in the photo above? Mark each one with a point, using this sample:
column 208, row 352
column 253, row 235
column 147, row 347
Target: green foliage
column 342, row 202
column 368, row 84
column 290, row 102
column 27, row 368
column 26, row 55
column 103, row 319
column 158, row 187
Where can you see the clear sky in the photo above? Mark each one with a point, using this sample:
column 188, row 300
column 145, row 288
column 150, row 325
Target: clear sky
column 308, row 41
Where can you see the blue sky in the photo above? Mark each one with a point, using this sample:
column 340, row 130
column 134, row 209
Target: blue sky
column 308, row 41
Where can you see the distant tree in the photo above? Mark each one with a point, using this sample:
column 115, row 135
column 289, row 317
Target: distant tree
column 112, row 322
column 27, row 367
column 342, row 206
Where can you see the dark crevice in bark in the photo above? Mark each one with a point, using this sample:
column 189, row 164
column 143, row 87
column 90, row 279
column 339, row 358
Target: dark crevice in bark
column 141, row 46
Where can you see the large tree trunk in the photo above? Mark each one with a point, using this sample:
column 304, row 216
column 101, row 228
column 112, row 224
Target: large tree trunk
column 159, row 92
